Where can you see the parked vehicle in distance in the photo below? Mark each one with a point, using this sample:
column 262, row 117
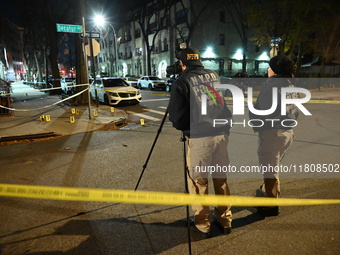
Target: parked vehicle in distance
column 114, row 91
column 66, row 84
column 151, row 82
column 170, row 81
column 133, row 81
column 237, row 82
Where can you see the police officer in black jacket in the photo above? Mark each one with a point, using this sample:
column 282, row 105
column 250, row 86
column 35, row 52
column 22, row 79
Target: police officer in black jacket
column 275, row 137
column 193, row 106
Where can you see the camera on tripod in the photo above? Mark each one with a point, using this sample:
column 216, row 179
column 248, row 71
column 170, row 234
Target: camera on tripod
column 175, row 68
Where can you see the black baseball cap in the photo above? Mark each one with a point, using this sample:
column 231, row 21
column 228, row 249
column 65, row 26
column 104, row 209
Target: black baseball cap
column 281, row 65
column 190, row 57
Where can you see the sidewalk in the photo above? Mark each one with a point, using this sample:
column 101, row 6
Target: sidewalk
column 26, row 121
column 32, row 119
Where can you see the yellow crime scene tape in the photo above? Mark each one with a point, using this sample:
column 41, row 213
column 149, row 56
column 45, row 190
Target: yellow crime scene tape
column 254, row 99
column 323, row 102
column 148, row 197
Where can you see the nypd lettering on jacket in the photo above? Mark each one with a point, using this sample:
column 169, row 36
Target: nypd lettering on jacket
column 205, row 90
column 204, row 78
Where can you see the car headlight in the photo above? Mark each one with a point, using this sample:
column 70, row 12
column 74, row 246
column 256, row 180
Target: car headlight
column 114, row 94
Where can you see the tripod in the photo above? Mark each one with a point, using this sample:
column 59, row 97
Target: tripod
column 183, row 139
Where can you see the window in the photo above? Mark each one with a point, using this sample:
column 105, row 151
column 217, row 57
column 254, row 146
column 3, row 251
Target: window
column 257, row 64
column 159, row 45
column 114, row 83
column 165, row 21
column 165, row 44
column 230, row 65
column 137, row 33
column 153, row 26
column 222, row 40
column 181, row 16
column 127, row 36
column 222, row 16
column 138, row 51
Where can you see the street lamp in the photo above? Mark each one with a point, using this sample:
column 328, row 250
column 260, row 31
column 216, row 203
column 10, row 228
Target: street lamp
column 100, row 22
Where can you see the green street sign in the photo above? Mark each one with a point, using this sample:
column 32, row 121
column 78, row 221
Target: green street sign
column 66, row 28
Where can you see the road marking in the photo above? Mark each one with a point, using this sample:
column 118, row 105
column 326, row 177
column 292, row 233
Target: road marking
column 144, row 116
column 154, row 111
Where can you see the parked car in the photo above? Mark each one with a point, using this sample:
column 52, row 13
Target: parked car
column 151, row 82
column 170, row 81
column 132, row 81
column 66, row 84
column 114, row 91
column 238, row 82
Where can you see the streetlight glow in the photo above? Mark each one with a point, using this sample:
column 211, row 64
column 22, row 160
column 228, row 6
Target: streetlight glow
column 99, row 20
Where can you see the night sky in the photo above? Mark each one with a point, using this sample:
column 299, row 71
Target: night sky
column 9, row 10
column 112, row 9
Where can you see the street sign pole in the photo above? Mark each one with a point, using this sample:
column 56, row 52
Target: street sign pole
column 82, row 4
column 93, row 69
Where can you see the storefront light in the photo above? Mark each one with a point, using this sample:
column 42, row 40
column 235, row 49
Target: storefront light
column 238, row 55
column 264, row 56
column 209, row 53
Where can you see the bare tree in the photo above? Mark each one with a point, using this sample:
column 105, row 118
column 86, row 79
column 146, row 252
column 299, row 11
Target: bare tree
column 237, row 10
column 193, row 12
column 40, row 36
column 151, row 17
column 306, row 26
column 326, row 32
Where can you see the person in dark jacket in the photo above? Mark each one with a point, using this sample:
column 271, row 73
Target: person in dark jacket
column 275, row 137
column 193, row 106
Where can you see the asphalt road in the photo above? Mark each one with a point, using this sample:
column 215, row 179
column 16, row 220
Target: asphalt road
column 114, row 159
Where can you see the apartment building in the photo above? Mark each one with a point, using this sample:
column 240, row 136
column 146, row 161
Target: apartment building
column 213, row 33
column 11, row 46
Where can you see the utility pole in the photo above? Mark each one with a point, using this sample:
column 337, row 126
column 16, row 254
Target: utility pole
column 86, row 78
column 93, row 67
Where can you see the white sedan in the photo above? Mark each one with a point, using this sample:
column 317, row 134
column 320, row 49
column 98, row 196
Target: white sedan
column 114, row 91
column 151, row 82
column 66, row 84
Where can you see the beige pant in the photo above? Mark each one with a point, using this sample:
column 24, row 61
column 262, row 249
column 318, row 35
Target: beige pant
column 273, row 144
column 202, row 153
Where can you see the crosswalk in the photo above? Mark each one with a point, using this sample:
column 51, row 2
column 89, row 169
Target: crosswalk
column 154, row 115
column 150, row 114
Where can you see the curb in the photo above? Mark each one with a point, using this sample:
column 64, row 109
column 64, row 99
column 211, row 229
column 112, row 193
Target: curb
column 24, row 137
